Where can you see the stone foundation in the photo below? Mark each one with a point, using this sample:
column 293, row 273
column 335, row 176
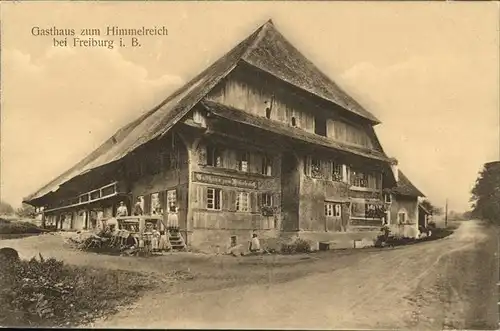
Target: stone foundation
column 339, row 240
column 219, row 241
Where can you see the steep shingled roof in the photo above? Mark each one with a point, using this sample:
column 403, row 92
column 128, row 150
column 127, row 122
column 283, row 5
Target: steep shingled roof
column 265, row 49
column 405, row 187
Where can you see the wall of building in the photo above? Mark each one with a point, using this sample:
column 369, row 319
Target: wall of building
column 290, row 190
column 227, row 221
column 165, row 177
column 409, row 204
column 249, row 92
column 313, row 195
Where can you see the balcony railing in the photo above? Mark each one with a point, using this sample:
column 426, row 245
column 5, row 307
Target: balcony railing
column 104, row 192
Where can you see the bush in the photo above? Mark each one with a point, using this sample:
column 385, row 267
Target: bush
column 18, row 228
column 46, row 292
column 298, row 246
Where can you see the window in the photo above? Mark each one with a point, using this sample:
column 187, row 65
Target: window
column 242, row 201
column 333, row 209
column 337, row 172
column 266, row 166
column 214, row 198
column 371, row 211
column 267, row 200
column 320, row 126
column 108, row 190
column 316, row 168
column 294, row 121
column 214, row 156
column 243, row 161
column 359, row 179
column 198, row 117
column 95, row 195
column 171, row 200
column 358, row 209
column 387, row 198
column 155, row 204
column 402, row 217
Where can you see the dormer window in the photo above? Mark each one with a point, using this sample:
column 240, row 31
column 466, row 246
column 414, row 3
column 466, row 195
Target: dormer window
column 294, row 121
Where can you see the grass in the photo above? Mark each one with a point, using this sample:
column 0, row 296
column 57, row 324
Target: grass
column 13, row 227
column 48, row 293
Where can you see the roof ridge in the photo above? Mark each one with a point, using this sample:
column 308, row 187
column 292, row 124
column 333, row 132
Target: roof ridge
column 260, row 32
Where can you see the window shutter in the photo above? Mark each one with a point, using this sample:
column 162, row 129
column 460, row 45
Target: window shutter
column 253, row 201
column 255, row 162
column 225, row 200
column 258, row 197
column 232, row 200
column 307, row 165
column 203, row 197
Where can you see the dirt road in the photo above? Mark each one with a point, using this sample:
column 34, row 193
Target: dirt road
column 442, row 284
column 449, row 283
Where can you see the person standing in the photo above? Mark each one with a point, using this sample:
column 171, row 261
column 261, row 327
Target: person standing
column 138, row 208
column 122, row 210
column 173, row 218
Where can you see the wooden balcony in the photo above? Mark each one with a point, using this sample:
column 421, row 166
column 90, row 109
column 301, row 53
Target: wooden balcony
column 102, row 193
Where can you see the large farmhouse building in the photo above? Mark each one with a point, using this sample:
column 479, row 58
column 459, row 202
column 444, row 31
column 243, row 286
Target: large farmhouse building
column 261, row 141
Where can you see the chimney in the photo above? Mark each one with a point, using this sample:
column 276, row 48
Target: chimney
column 395, row 169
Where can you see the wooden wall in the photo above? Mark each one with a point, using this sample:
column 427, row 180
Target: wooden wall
column 246, row 91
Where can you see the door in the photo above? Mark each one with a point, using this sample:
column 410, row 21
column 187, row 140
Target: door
column 333, row 216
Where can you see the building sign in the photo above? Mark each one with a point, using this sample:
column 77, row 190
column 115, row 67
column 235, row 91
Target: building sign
column 223, row 180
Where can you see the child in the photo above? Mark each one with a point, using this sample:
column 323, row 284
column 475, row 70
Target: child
column 155, row 240
column 254, row 244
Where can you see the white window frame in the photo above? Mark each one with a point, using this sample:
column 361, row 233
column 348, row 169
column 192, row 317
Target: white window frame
column 405, row 217
column 212, row 202
column 333, row 209
column 388, row 198
column 319, row 174
column 155, row 211
column 333, row 165
column 267, row 200
column 171, row 200
column 243, row 201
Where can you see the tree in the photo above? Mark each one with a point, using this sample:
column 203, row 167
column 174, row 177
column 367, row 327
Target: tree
column 431, row 208
column 26, row 211
column 485, row 197
column 5, row 208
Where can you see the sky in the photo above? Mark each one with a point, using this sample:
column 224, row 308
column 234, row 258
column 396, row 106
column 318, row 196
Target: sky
column 428, row 70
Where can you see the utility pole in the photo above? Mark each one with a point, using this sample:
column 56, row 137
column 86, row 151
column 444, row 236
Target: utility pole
column 446, row 214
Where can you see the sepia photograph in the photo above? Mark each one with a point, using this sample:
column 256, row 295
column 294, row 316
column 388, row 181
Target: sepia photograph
column 268, row 164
